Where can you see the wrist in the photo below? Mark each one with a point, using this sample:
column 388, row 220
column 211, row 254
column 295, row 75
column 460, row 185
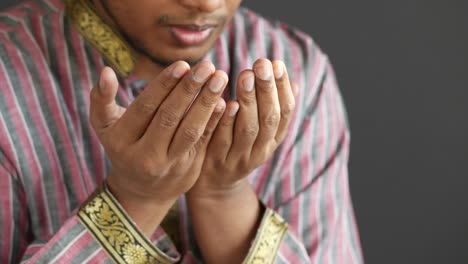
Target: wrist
column 219, row 193
column 235, row 213
column 146, row 213
column 132, row 190
column 240, row 197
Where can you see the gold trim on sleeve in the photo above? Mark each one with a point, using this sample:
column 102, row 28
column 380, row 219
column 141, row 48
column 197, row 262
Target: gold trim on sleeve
column 107, row 41
column 269, row 236
column 115, row 232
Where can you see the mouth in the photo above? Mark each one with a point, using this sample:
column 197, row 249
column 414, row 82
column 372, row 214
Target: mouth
column 191, row 35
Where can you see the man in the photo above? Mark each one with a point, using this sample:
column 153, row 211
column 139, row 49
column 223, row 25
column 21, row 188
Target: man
column 214, row 136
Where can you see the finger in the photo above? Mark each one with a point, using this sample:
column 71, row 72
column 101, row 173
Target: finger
column 194, row 123
column 295, row 89
column 104, row 110
column 286, row 99
column 222, row 138
column 246, row 126
column 169, row 115
column 267, row 100
column 142, row 110
column 204, row 140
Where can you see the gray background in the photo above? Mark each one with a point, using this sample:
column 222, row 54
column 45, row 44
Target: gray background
column 402, row 66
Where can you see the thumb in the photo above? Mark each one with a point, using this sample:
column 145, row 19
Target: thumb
column 104, row 111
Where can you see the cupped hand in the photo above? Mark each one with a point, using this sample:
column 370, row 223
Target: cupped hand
column 154, row 144
column 250, row 130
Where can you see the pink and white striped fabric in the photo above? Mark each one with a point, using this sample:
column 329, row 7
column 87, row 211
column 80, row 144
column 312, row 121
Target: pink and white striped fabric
column 51, row 160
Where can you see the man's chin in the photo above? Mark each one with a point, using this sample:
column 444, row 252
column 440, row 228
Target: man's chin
column 165, row 62
column 169, row 55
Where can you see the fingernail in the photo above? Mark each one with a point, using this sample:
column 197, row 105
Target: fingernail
column 263, row 71
column 233, row 110
column 179, row 70
column 248, row 83
column 216, row 84
column 201, row 74
column 279, row 70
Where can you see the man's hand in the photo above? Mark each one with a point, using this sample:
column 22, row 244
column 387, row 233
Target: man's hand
column 153, row 143
column 250, row 129
column 224, row 209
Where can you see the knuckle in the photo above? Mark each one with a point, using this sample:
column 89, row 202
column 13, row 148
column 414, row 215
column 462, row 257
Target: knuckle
column 265, row 86
column 271, row 121
column 226, row 122
column 166, row 84
column 168, row 118
column 208, row 101
column 206, row 136
column 192, row 153
column 210, row 129
column 223, row 143
column 250, row 131
column 191, row 134
column 189, row 88
column 208, row 132
column 287, row 110
column 145, row 108
column 248, row 100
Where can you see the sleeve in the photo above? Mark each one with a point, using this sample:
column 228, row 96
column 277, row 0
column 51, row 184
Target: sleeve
column 311, row 219
column 100, row 232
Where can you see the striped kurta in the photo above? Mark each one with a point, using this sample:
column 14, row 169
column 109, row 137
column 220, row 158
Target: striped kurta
column 51, row 161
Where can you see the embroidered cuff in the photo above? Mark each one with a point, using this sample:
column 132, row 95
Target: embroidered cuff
column 103, row 217
column 268, row 239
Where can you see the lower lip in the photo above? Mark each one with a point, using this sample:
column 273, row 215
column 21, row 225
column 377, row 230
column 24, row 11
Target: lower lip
column 191, row 37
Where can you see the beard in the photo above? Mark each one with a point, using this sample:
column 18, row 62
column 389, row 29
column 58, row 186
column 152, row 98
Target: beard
column 158, row 60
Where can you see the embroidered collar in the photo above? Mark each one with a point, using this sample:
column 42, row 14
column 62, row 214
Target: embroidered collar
column 102, row 36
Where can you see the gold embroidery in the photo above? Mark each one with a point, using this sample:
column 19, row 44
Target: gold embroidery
column 269, row 237
column 108, row 42
column 107, row 222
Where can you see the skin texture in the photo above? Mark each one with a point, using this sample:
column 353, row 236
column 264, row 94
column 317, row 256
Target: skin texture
column 162, row 146
column 240, row 143
column 155, row 148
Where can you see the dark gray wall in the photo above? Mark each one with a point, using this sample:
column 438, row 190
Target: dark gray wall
column 5, row 3
column 403, row 69
column 402, row 66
